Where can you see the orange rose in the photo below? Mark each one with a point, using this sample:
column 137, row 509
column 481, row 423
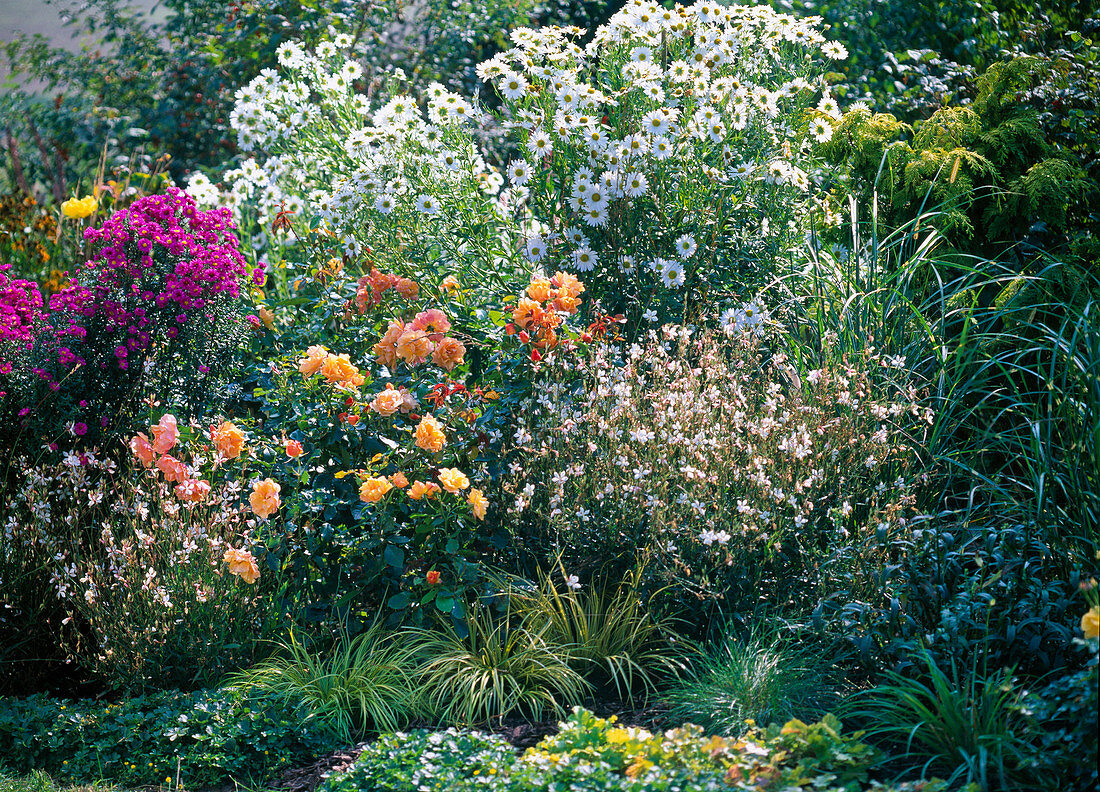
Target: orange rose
column 339, row 370
column 311, row 363
column 165, row 434
column 453, row 480
column 567, row 283
column 565, row 302
column 539, row 289
column 265, row 498
column 526, row 312
column 414, row 347
column 267, row 316
column 388, row 402
column 192, row 490
column 243, row 564
column 374, row 489
column 408, row 289
column 399, row 480
column 449, row 284
column 432, row 577
column 385, row 351
column 479, row 504
column 228, row 439
column 293, row 449
column 429, row 435
column 433, row 322
column 172, row 468
column 139, row 444
column 449, row 353
column 423, row 489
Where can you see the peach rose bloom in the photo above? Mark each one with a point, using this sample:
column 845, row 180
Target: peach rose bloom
column 172, row 468
column 479, row 504
column 565, row 302
column 242, row 564
column 414, row 347
column 526, row 312
column 265, row 498
column 409, row 401
column 267, row 316
column 433, row 322
column 311, row 363
column 399, row 480
column 448, row 353
column 385, row 351
column 539, row 289
column 228, row 439
column 429, row 435
column 449, row 284
column 293, row 449
column 567, row 283
column 374, row 489
column 139, row 444
column 423, row 489
column 388, row 402
column 453, row 480
column 193, row 490
column 165, row 434
column 407, row 288
column 339, row 370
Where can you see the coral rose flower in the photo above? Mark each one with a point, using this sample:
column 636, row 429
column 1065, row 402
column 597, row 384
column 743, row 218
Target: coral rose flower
column 423, row 489
column 293, row 449
column 193, row 490
column 374, row 489
column 567, row 283
column 527, row 312
column 408, row 289
column 165, row 434
column 414, row 347
column 399, row 480
column 429, row 435
column 265, row 498
column 539, row 289
column 449, row 353
column 243, row 564
column 311, row 363
column 139, row 444
column 172, row 468
column 433, row 322
column 453, row 480
column 388, row 402
column 228, row 439
column 432, row 577
column 479, row 504
column 385, row 351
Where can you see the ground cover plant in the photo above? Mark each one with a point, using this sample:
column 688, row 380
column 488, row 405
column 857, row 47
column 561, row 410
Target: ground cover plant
column 439, row 387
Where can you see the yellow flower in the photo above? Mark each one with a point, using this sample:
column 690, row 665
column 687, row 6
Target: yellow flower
column 1090, row 622
column 429, row 435
column 453, row 480
column 478, row 503
column 79, row 208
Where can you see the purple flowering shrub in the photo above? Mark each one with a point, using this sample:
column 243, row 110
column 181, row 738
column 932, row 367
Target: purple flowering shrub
column 155, row 312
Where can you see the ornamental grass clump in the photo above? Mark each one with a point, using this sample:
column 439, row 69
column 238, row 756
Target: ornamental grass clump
column 713, row 458
column 156, row 308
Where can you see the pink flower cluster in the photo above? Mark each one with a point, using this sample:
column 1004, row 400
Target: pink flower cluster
column 20, row 308
column 160, row 264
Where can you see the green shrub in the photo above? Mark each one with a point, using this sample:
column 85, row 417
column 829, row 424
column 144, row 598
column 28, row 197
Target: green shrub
column 172, row 739
column 765, row 676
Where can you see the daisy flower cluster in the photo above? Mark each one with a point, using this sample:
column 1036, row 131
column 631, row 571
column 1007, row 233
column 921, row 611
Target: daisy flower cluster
column 671, row 151
column 696, row 447
column 367, row 170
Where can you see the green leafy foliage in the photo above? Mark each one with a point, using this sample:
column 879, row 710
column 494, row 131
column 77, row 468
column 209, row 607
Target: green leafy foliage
column 183, row 739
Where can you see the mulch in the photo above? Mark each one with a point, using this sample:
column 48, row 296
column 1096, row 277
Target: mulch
column 520, row 734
